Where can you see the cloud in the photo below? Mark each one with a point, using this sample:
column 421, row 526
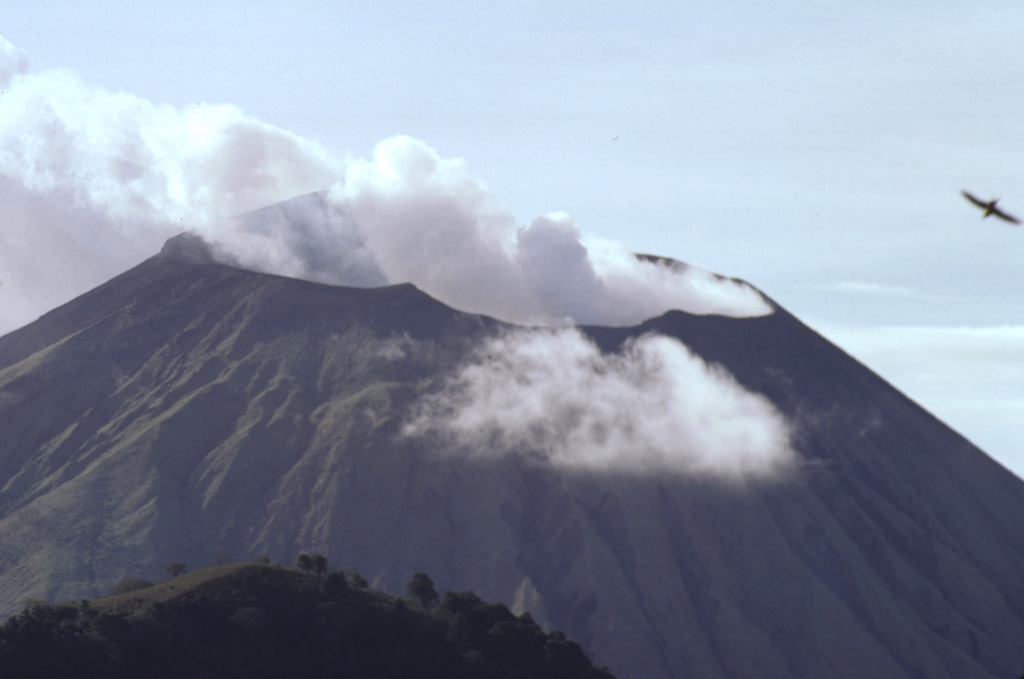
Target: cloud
column 93, row 181
column 140, row 161
column 872, row 288
column 652, row 408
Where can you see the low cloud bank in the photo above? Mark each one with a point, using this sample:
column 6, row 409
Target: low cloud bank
column 653, row 408
column 93, row 181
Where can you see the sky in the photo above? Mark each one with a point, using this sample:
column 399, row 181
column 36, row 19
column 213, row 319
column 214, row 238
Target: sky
column 814, row 149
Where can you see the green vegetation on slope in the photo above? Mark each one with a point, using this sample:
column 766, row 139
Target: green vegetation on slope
column 254, row 620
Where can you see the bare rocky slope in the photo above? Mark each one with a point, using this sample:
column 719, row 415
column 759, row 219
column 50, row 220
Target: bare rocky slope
column 186, row 409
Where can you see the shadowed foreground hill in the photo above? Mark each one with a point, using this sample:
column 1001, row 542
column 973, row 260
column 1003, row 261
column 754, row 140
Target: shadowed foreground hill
column 186, row 409
column 253, row 621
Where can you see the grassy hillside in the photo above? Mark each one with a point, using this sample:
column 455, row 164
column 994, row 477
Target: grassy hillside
column 253, row 620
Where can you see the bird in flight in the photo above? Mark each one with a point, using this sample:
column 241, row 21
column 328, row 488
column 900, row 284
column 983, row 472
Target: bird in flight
column 990, row 208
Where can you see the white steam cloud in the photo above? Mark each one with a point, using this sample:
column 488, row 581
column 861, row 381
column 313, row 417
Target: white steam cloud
column 428, row 222
column 652, row 408
column 93, row 181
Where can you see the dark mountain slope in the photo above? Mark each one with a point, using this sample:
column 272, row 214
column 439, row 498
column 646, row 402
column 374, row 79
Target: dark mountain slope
column 182, row 283
column 904, row 520
column 186, row 409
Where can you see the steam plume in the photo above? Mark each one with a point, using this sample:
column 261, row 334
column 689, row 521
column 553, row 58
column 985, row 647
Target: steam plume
column 93, row 181
column 428, row 222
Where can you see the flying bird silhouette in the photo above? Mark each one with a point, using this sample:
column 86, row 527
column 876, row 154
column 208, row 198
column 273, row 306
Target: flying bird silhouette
column 990, row 208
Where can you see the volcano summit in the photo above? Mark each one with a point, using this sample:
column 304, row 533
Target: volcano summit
column 694, row 495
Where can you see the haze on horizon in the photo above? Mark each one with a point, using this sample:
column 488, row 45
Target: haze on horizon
column 815, row 151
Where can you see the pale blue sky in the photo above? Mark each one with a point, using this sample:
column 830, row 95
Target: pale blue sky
column 816, row 149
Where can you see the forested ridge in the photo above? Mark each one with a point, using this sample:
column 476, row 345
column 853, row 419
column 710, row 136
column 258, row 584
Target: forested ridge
column 261, row 620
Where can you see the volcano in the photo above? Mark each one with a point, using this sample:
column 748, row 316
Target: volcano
column 187, row 409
